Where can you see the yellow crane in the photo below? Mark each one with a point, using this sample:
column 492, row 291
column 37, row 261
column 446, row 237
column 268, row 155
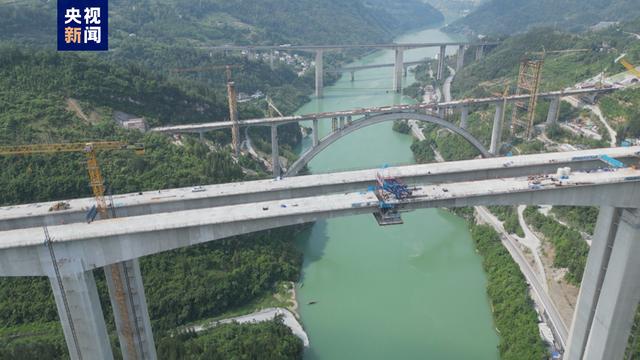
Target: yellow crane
column 231, row 94
column 632, row 69
column 529, row 78
column 89, row 149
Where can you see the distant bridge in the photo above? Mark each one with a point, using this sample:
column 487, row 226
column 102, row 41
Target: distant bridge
column 353, row 69
column 399, row 49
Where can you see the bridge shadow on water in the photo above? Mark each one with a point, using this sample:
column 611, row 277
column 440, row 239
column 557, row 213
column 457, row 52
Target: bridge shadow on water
column 312, row 241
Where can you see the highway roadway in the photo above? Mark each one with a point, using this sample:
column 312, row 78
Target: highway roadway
column 492, row 191
column 547, row 304
column 148, row 202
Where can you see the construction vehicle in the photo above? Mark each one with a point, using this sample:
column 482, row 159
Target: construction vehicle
column 89, row 149
column 61, row 205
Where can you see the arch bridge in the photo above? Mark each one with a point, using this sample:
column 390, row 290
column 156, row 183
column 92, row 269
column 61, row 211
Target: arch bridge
column 432, row 113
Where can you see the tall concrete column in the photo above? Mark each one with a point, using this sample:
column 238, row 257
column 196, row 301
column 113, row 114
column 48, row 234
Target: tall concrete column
column 496, row 131
column 353, row 76
column 316, row 139
column 341, row 122
column 597, row 262
column 464, row 117
column 271, row 57
column 83, row 324
column 441, row 57
column 479, row 52
column 620, row 293
column 554, row 111
column 319, row 73
column 275, row 156
column 441, row 113
column 460, row 58
column 398, row 68
column 126, row 293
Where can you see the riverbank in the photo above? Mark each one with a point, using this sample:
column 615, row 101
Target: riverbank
column 284, row 304
column 269, row 314
column 386, row 291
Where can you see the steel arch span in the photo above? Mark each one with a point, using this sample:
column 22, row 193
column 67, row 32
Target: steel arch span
column 376, row 119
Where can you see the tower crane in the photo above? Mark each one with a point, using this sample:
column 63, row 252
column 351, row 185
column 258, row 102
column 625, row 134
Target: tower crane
column 231, row 94
column 89, row 149
column 529, row 77
column 117, row 273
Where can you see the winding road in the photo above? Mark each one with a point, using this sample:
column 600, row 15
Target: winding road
column 510, row 244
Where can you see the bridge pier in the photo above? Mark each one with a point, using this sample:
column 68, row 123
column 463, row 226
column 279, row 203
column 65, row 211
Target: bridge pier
column 464, row 117
column 275, row 156
column 319, row 73
column 271, row 58
column 479, row 52
column 620, row 293
column 595, row 269
column 554, row 111
column 316, row 140
column 496, row 131
column 441, row 57
column 460, row 58
column 353, row 76
column 398, row 69
column 126, row 293
column 78, row 305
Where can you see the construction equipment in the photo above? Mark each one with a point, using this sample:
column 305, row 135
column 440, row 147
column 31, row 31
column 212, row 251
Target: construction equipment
column 529, row 77
column 387, row 189
column 117, row 273
column 393, row 186
column 231, row 94
column 271, row 108
column 632, row 69
column 89, row 149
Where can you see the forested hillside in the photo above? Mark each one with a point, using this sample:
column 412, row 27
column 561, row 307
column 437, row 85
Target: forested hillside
column 598, row 52
column 506, row 17
column 182, row 286
column 236, row 21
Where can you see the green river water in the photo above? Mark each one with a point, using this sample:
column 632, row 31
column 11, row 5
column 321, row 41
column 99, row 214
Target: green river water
column 415, row 291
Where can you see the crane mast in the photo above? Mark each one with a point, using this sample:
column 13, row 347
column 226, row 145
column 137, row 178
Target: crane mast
column 96, row 181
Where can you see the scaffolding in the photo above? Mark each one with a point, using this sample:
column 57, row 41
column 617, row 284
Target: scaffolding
column 528, row 83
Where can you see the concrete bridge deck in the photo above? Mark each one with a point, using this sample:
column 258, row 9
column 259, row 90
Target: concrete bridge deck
column 201, row 127
column 114, row 240
column 373, row 66
column 149, row 202
column 75, row 249
column 414, row 45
